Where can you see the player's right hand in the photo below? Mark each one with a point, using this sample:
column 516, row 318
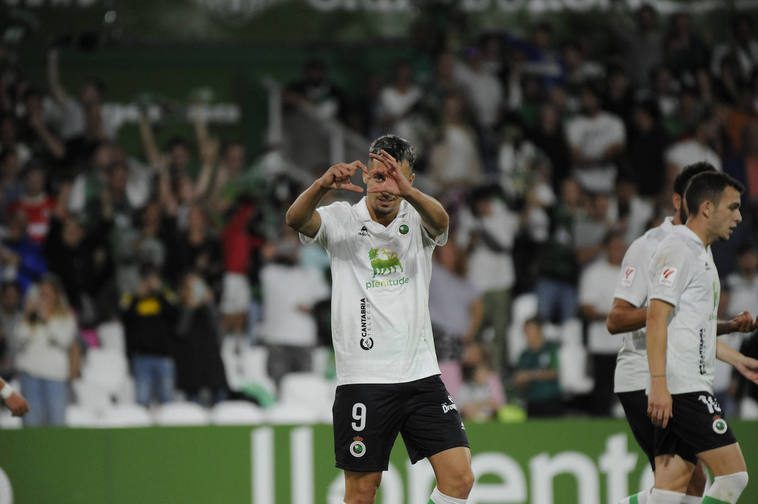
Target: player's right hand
column 338, row 176
column 659, row 403
column 17, row 404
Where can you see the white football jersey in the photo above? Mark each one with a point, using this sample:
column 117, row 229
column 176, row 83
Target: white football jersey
column 683, row 274
column 632, row 370
column 381, row 328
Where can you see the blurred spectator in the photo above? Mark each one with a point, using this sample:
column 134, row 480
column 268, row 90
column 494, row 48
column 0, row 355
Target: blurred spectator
column 84, row 116
column 630, row 212
column 34, row 202
column 483, row 92
column 486, row 231
column 397, row 105
column 198, row 249
column 35, row 132
column 537, row 373
column 685, row 51
column 739, row 293
column 10, row 142
column 10, row 185
column 10, row 317
column 549, row 136
column 289, row 327
column 80, row 257
column 743, row 47
column 454, row 158
column 542, row 59
column 481, row 394
column 642, row 45
column 596, row 287
column 455, row 309
column 199, row 369
column 619, row 97
column 315, row 89
column 697, row 147
column 596, row 138
column 243, row 238
column 591, row 228
column 149, row 317
column 647, row 144
column 44, row 339
column 558, row 265
column 577, row 70
column 21, row 257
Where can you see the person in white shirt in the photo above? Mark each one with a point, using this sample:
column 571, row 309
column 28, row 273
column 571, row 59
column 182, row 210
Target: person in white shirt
column 683, row 292
column 596, row 137
column 45, row 337
column 627, row 317
column 380, row 252
column 595, row 299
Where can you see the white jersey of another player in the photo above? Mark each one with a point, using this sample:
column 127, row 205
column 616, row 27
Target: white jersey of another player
column 381, row 327
column 631, row 364
column 682, row 273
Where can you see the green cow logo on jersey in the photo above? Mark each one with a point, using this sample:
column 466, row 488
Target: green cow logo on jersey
column 387, row 263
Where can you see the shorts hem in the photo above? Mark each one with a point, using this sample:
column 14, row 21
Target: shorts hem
column 345, row 467
column 435, row 451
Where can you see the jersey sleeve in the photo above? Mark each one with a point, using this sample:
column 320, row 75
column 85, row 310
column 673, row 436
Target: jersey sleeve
column 331, row 215
column 669, row 272
column 631, row 285
column 429, row 240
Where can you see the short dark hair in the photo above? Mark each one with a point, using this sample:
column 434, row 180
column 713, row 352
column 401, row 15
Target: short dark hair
column 681, row 180
column 708, row 186
column 535, row 319
column 397, row 147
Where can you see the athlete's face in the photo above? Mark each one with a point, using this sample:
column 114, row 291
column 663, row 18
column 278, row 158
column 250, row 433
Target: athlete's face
column 726, row 215
column 383, row 203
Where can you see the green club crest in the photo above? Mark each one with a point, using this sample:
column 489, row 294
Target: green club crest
column 403, row 229
column 719, row 426
column 384, row 263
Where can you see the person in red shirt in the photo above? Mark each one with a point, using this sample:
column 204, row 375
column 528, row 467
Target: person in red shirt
column 35, row 202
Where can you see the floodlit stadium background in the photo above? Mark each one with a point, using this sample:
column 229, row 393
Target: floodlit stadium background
column 143, row 140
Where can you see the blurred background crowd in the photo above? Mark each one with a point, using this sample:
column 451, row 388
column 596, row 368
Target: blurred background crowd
column 158, row 269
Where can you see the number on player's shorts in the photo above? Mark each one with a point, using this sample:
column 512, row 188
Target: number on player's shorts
column 712, row 405
column 359, row 415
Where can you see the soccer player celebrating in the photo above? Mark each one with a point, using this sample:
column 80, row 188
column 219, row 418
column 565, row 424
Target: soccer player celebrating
column 380, row 252
column 681, row 325
column 13, row 400
column 628, row 316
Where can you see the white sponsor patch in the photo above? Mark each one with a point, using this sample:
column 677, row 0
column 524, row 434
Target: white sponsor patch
column 628, row 278
column 719, row 426
column 667, row 276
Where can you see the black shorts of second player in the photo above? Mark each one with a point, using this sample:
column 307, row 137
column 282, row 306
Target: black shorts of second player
column 635, row 409
column 697, row 425
column 368, row 417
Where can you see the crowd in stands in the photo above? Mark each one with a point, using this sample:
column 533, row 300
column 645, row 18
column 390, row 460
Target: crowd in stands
column 551, row 156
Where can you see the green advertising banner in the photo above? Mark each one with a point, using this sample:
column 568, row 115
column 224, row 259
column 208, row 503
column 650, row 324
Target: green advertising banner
column 538, row 462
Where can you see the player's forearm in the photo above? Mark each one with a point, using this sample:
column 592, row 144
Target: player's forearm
column 433, row 214
column 727, row 354
column 625, row 318
column 655, row 342
column 301, row 211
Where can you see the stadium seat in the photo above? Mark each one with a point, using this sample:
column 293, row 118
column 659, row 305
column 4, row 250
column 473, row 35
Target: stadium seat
column 236, row 413
column 311, row 390
column 572, row 358
column 111, row 336
column 181, row 413
column 291, row 413
column 749, row 409
column 7, row 421
column 81, row 416
column 105, row 378
column 126, row 415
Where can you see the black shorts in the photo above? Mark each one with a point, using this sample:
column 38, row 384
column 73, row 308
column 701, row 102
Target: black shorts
column 697, row 425
column 635, row 409
column 368, row 417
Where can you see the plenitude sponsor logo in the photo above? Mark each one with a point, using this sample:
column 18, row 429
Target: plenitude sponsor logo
column 390, row 282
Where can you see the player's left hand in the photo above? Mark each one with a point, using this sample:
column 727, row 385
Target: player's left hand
column 748, row 367
column 17, row 404
column 395, row 181
column 742, row 323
